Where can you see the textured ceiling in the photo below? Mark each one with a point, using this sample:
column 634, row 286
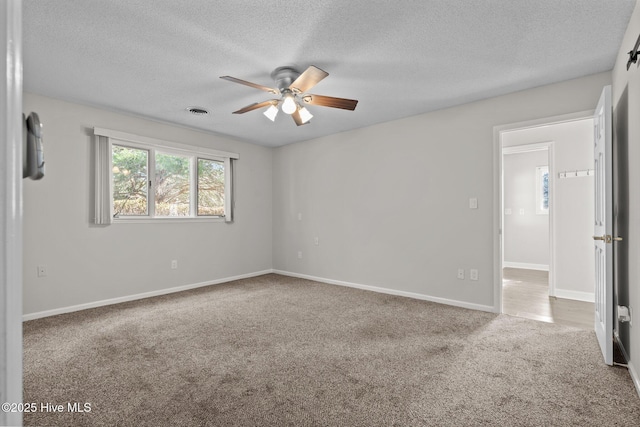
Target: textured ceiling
column 155, row 58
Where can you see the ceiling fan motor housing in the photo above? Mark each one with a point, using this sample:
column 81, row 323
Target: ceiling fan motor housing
column 284, row 76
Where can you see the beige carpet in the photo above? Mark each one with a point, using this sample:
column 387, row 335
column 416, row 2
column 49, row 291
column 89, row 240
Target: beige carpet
column 278, row 351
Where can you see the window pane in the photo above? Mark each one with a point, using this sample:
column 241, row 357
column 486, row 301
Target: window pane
column 542, row 190
column 172, row 185
column 545, row 190
column 210, row 187
column 130, row 180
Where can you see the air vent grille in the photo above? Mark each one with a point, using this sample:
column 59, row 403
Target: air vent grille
column 198, row 111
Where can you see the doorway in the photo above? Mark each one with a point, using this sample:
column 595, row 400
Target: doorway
column 545, row 217
column 527, row 205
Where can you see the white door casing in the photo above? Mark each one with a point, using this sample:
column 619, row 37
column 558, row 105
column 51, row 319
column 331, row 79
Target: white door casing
column 603, row 225
column 11, row 210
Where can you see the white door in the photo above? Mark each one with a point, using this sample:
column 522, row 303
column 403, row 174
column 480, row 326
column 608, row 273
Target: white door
column 603, row 225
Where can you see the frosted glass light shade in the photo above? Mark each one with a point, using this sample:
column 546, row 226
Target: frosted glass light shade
column 289, row 104
column 305, row 115
column 271, row 113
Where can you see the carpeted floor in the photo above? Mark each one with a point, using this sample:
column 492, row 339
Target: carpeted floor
column 279, row 351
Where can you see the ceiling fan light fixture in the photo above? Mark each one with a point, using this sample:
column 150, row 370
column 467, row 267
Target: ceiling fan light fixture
column 271, row 112
column 292, row 87
column 305, row 115
column 289, row 105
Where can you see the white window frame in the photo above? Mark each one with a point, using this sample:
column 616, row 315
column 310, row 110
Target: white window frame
column 103, row 209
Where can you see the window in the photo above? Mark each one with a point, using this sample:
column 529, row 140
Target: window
column 542, row 190
column 210, row 187
column 172, row 185
column 140, row 178
column 130, row 178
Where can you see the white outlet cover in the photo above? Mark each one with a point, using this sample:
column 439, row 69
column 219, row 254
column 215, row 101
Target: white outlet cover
column 507, row 211
column 473, row 203
column 473, row 274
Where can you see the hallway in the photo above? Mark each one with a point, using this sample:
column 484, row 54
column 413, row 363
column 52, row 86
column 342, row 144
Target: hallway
column 526, row 294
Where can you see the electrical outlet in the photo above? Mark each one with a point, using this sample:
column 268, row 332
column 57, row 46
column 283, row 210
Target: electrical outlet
column 42, row 271
column 316, row 241
column 174, row 264
column 473, row 274
column 461, row 273
column 299, row 254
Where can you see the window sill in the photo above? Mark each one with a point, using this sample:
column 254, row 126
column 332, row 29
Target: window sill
column 146, row 220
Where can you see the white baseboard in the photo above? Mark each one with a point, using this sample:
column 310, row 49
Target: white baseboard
column 439, row 300
column 576, row 295
column 634, row 376
column 69, row 309
column 526, row 266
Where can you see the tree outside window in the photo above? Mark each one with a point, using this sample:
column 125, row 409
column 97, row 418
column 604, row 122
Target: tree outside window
column 183, row 185
column 130, row 181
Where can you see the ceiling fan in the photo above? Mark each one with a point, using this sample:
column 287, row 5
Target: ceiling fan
column 292, row 88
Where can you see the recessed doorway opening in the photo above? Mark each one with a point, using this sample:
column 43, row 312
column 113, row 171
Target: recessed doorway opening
column 545, row 220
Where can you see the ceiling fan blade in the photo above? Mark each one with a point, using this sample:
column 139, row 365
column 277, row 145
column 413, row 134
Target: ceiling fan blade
column 256, row 106
column 330, row 101
column 255, row 85
column 308, row 79
column 297, row 118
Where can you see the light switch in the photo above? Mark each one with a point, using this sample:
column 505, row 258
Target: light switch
column 473, row 203
column 521, row 211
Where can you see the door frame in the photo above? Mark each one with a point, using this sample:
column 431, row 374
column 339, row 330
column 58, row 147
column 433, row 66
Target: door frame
column 498, row 209
column 11, row 211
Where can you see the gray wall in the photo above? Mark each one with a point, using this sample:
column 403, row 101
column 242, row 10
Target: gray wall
column 390, row 203
column 86, row 263
column 526, row 235
column 626, row 103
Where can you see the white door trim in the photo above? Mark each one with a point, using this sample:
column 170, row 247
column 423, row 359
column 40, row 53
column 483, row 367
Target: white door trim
column 11, row 210
column 497, row 189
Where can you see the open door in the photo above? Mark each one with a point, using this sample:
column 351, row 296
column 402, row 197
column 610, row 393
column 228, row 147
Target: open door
column 603, row 225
